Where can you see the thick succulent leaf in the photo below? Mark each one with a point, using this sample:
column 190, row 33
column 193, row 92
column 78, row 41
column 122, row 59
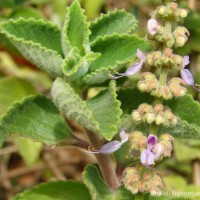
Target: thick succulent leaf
column 71, row 105
column 37, row 118
column 100, row 114
column 98, row 188
column 106, row 111
column 68, row 190
column 118, row 21
column 76, row 30
column 38, row 41
column 21, row 89
column 115, row 50
column 182, row 130
column 186, row 108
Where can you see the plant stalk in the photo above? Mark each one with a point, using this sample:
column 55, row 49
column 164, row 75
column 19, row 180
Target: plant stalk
column 105, row 162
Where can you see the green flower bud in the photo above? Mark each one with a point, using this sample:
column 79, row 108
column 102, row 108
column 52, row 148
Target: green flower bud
column 180, row 41
column 160, row 119
column 137, row 141
column 149, row 118
column 158, row 108
column 142, row 86
column 161, row 10
column 136, row 116
column 166, row 93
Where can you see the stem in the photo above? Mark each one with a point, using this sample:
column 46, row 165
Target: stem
column 163, row 76
column 153, row 129
column 104, row 162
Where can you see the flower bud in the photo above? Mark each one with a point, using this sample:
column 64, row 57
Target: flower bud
column 167, row 137
column 167, row 146
column 137, row 141
column 142, row 86
column 160, row 119
column 161, row 10
column 183, row 13
column 158, row 108
column 180, row 41
column 152, row 26
column 166, row 93
column 149, row 117
column 136, row 116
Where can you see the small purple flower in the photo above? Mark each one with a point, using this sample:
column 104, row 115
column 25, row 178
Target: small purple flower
column 186, row 75
column 152, row 26
column 152, row 152
column 135, row 68
column 112, row 146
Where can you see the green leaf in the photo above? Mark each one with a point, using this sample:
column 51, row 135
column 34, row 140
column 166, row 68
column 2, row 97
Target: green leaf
column 118, row 21
column 68, row 190
column 182, row 130
column 7, row 4
column 37, row 118
column 21, row 89
column 100, row 114
column 75, row 66
column 115, row 50
column 29, row 150
column 98, row 188
column 106, row 111
column 38, row 41
column 76, row 30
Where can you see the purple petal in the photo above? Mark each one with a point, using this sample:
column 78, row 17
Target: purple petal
column 152, row 26
column 151, row 141
column 186, row 61
column 108, row 148
column 158, row 150
column 140, row 55
column 147, row 158
column 123, row 136
column 187, row 77
column 135, row 68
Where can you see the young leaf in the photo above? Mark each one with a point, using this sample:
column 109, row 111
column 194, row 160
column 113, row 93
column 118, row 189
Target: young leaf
column 76, row 30
column 75, row 66
column 60, row 190
column 100, row 114
column 38, row 41
column 115, row 50
column 118, row 21
column 36, row 118
column 98, row 188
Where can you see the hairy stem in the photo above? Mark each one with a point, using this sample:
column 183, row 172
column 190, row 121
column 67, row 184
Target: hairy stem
column 104, row 162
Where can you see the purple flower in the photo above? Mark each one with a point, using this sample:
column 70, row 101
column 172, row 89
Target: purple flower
column 152, row 26
column 112, row 146
column 186, row 75
column 135, row 68
column 152, row 152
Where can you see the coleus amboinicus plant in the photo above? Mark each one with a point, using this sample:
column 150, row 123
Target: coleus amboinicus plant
column 86, row 55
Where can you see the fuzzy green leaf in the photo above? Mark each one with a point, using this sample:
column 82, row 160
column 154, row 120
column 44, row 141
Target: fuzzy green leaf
column 68, row 190
column 75, row 66
column 98, row 188
column 37, row 118
column 118, row 21
column 38, row 41
column 100, row 114
column 115, row 50
column 76, row 30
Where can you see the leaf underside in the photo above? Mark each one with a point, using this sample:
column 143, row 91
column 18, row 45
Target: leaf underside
column 100, row 114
